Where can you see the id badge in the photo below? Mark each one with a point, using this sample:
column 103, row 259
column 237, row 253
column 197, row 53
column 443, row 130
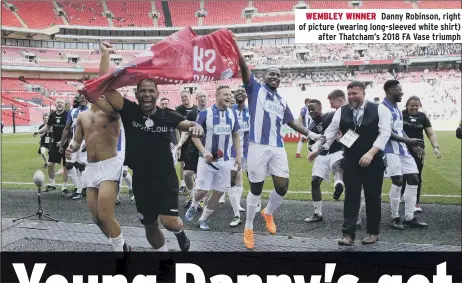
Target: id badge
column 47, row 139
column 349, row 138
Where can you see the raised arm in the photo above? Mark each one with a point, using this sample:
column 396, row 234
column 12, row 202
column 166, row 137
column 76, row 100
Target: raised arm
column 112, row 100
column 245, row 72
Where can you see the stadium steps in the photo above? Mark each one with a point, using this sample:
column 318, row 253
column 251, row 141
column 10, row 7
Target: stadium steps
column 167, row 13
column 155, row 22
column 23, row 23
column 64, row 16
column 111, row 23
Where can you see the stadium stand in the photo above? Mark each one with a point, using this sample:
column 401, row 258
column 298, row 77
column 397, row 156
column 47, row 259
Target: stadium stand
column 9, row 19
column 84, row 13
column 182, row 12
column 37, row 16
column 437, row 82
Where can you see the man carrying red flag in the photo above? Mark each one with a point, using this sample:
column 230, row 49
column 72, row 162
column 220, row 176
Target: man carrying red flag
column 155, row 183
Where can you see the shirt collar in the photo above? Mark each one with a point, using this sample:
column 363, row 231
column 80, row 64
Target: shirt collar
column 385, row 100
column 215, row 108
column 271, row 93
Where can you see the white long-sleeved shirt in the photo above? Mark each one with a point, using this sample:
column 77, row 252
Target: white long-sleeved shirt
column 385, row 120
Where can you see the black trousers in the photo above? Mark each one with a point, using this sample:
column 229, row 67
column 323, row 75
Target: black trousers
column 355, row 178
column 420, row 165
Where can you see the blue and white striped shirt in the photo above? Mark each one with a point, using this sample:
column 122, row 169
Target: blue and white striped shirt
column 305, row 116
column 121, row 143
column 392, row 146
column 243, row 119
column 218, row 128
column 72, row 117
column 268, row 112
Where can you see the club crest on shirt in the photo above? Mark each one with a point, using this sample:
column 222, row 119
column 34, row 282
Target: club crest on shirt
column 222, row 129
column 319, row 127
column 58, row 120
column 274, row 108
column 413, row 120
column 149, row 123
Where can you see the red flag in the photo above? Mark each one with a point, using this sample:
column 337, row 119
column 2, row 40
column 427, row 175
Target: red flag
column 183, row 57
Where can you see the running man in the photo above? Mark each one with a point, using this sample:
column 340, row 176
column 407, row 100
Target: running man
column 305, row 120
column 221, row 128
column 155, row 183
column 184, row 109
column 55, row 125
column 237, row 185
column 77, row 162
column 191, row 156
column 326, row 161
column 104, row 175
column 44, row 141
column 266, row 154
column 401, row 166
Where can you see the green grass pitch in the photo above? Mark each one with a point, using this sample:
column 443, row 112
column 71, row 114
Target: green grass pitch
column 441, row 178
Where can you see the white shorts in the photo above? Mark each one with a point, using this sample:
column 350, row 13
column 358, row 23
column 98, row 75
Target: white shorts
column 208, row 178
column 323, row 164
column 106, row 170
column 399, row 165
column 80, row 156
column 265, row 160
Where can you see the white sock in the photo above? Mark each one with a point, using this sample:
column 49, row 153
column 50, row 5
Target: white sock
column 183, row 183
column 194, row 202
column 299, row 147
column 317, row 207
column 128, row 180
column 73, row 175
column 252, row 203
column 239, row 190
column 234, row 200
column 162, row 249
column 81, row 181
column 205, row 214
column 52, row 181
column 361, row 204
column 274, row 202
column 410, row 199
column 395, row 195
column 118, row 243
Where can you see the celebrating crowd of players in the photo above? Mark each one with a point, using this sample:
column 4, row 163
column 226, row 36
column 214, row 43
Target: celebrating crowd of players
column 359, row 143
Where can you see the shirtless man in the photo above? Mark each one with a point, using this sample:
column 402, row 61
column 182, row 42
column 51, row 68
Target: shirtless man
column 101, row 133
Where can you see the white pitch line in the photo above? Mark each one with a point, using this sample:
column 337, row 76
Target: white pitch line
column 267, row 191
column 29, row 142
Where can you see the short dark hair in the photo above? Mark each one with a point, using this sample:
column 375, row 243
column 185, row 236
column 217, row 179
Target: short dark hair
column 220, row 88
column 146, row 79
column 356, row 84
column 164, row 98
column 413, row 98
column 307, row 100
column 338, row 93
column 389, row 84
column 315, row 101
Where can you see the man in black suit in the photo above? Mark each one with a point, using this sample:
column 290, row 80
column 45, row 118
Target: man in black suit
column 365, row 128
